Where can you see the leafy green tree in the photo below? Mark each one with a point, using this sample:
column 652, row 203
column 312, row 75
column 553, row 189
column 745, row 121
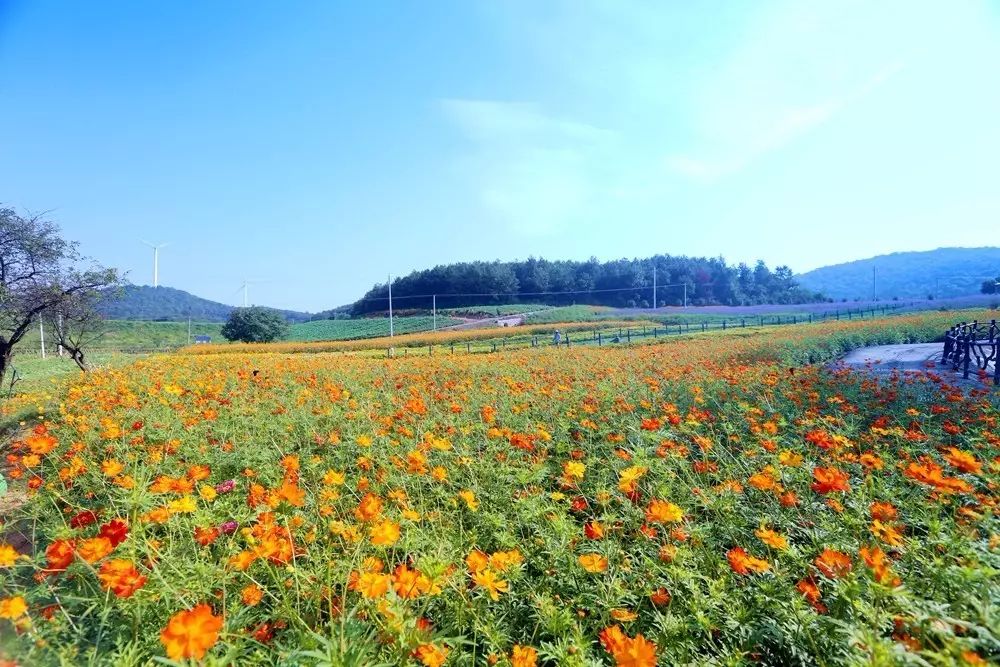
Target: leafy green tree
column 255, row 325
column 990, row 286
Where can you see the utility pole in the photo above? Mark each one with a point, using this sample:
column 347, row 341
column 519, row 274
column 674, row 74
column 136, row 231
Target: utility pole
column 189, row 329
column 685, row 295
column 41, row 334
column 59, row 347
column 654, row 286
column 434, row 310
column 390, row 305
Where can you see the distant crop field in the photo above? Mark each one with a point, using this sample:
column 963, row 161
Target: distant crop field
column 495, row 311
column 364, row 328
column 571, row 314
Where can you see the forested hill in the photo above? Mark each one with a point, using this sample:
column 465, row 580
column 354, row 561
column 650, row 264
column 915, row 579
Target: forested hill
column 142, row 302
column 624, row 283
column 944, row 272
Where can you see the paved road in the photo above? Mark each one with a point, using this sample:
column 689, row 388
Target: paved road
column 885, row 359
column 915, row 356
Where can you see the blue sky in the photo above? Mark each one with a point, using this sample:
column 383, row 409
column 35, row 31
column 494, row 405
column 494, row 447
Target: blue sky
column 322, row 145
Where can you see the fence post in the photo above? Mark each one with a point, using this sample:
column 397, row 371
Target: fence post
column 468, row 348
column 967, row 344
column 703, row 327
column 628, row 335
column 743, row 324
column 654, row 332
column 723, row 325
column 494, row 347
column 679, row 330
column 453, row 348
column 599, row 339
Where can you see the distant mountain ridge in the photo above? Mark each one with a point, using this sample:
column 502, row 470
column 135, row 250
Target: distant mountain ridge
column 143, row 302
column 945, row 272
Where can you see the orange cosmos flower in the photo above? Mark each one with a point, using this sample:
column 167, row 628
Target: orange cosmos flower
column 190, row 633
column 593, row 530
column 743, row 563
column 8, row 555
column 94, row 549
column 252, row 595
column 660, row 597
column 886, row 532
column 477, row 561
column 59, row 555
column 120, row 577
column 593, row 563
column 833, row 564
column 501, row 561
column 624, row 615
column 829, row 480
column 964, row 461
column 13, row 608
column 883, row 511
column 409, row 583
column 661, row 511
column 372, row 584
column 385, row 533
column 488, row 580
column 470, row 499
column 629, row 477
column 878, row 562
column 810, row 591
column 430, row 655
column 772, row 539
column 523, row 656
column 369, row 508
column 626, row 651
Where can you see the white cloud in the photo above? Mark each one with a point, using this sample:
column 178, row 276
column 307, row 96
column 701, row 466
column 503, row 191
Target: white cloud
column 535, row 172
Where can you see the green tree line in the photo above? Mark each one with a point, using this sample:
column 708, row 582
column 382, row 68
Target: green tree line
column 626, row 283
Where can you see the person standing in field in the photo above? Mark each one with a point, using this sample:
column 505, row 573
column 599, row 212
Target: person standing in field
column 556, row 338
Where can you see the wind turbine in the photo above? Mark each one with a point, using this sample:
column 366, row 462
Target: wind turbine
column 156, row 261
column 246, row 284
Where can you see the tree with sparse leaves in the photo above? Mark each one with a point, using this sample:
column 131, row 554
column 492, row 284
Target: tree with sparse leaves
column 40, row 272
column 255, row 325
column 77, row 324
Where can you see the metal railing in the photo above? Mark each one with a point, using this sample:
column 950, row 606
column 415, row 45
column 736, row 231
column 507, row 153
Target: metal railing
column 973, row 342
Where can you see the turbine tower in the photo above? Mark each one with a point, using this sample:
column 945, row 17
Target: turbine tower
column 156, row 261
column 245, row 287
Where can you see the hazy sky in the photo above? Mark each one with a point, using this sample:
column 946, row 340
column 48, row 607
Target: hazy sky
column 322, row 145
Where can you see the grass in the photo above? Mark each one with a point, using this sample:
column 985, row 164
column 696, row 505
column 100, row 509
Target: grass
column 321, row 330
column 136, row 335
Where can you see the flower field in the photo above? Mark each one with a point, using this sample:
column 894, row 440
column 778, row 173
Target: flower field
column 704, row 500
